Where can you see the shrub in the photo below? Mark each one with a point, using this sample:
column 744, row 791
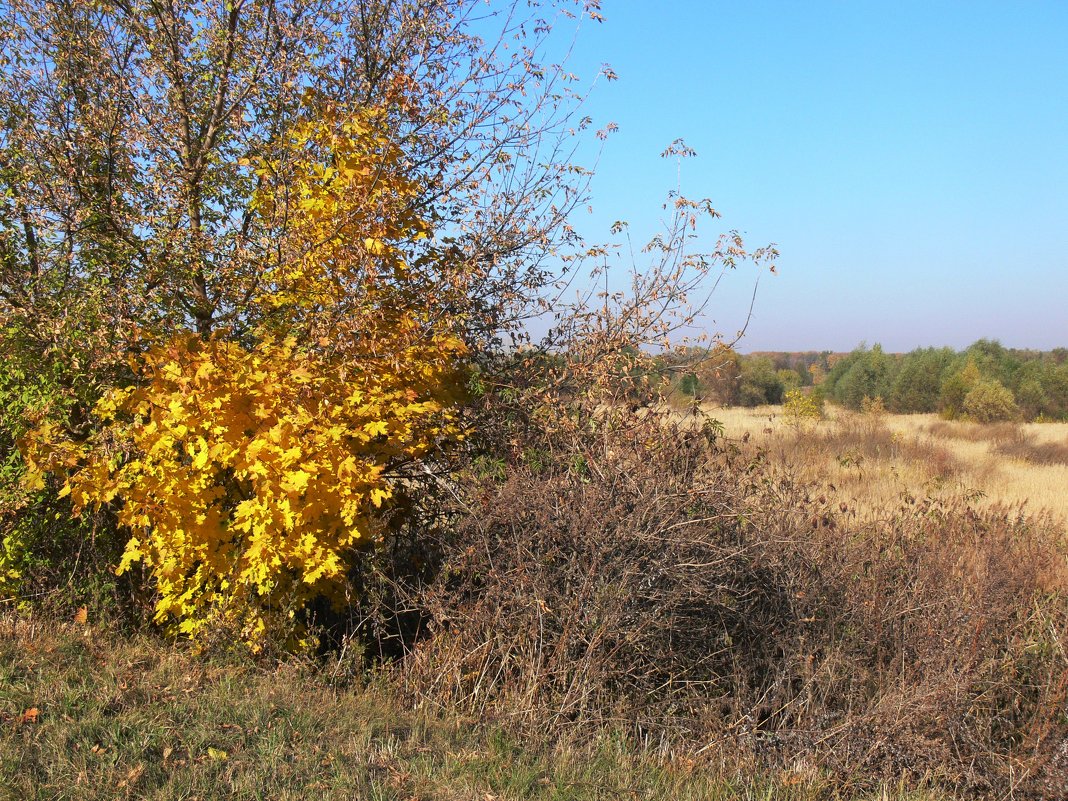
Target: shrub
column 250, row 477
column 790, row 379
column 918, row 382
column 688, row 385
column 45, row 552
column 1032, row 398
column 956, row 388
column 626, row 588
column 988, row 401
column 695, row 593
column 248, row 470
column 759, row 383
column 863, row 373
column 1015, row 443
column 873, row 407
column 719, row 371
column 801, row 407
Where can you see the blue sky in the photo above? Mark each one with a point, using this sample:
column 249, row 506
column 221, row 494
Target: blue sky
column 910, row 160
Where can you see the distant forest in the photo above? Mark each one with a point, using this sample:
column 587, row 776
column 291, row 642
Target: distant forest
column 984, row 382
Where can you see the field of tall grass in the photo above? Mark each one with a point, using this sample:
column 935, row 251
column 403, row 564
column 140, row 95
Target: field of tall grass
column 875, row 459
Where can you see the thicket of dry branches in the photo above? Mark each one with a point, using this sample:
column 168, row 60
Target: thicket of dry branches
column 656, row 578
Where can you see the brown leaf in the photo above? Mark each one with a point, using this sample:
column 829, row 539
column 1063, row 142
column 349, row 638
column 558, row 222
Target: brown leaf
column 135, row 774
column 81, row 617
column 30, row 715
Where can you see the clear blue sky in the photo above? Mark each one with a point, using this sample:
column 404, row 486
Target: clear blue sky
column 909, row 159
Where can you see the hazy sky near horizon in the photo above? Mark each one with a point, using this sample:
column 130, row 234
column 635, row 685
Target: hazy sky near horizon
column 909, row 160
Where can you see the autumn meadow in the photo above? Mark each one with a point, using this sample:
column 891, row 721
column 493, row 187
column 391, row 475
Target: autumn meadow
column 335, row 462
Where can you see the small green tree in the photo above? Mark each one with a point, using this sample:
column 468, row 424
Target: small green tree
column 688, row 385
column 989, row 401
column 790, row 379
column 862, row 374
column 1032, row 398
column 760, row 383
column 918, row 382
column 802, row 408
column 719, row 374
column 956, row 388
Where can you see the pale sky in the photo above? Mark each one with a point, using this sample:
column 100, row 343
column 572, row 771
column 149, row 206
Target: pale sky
column 910, row 160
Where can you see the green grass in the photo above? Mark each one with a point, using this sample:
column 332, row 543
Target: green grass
column 134, row 717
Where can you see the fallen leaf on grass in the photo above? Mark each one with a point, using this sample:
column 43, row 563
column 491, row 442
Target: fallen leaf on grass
column 31, row 715
column 132, row 777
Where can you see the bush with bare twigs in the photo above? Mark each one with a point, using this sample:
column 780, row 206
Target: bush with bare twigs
column 652, row 576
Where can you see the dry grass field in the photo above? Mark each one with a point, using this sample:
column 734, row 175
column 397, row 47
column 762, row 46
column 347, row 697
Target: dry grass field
column 875, row 460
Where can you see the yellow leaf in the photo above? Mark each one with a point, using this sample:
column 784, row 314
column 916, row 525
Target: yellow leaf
column 376, row 247
column 375, row 428
column 296, row 481
column 378, row 495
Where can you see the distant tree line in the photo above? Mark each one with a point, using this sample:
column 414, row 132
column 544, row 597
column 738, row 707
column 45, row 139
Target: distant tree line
column 984, row 382
column 722, row 375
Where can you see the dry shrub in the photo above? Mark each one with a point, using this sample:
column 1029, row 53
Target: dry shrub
column 1009, row 439
column 623, row 587
column 948, row 650
column 1018, row 444
column 867, row 437
column 973, row 432
column 656, row 579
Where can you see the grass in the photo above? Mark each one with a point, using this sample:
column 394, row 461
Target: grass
column 87, row 715
column 874, row 460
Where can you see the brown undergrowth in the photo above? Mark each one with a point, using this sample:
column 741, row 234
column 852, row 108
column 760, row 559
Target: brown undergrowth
column 1008, row 439
column 654, row 577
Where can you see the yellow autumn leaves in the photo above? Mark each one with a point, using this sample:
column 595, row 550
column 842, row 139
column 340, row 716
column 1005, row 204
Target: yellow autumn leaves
column 251, row 475
column 250, row 471
column 349, row 210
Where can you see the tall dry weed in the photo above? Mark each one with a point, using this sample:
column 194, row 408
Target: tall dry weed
column 860, row 438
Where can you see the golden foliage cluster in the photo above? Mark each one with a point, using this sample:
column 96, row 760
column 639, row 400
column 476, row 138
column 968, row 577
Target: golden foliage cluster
column 249, row 476
column 801, row 408
column 249, row 467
